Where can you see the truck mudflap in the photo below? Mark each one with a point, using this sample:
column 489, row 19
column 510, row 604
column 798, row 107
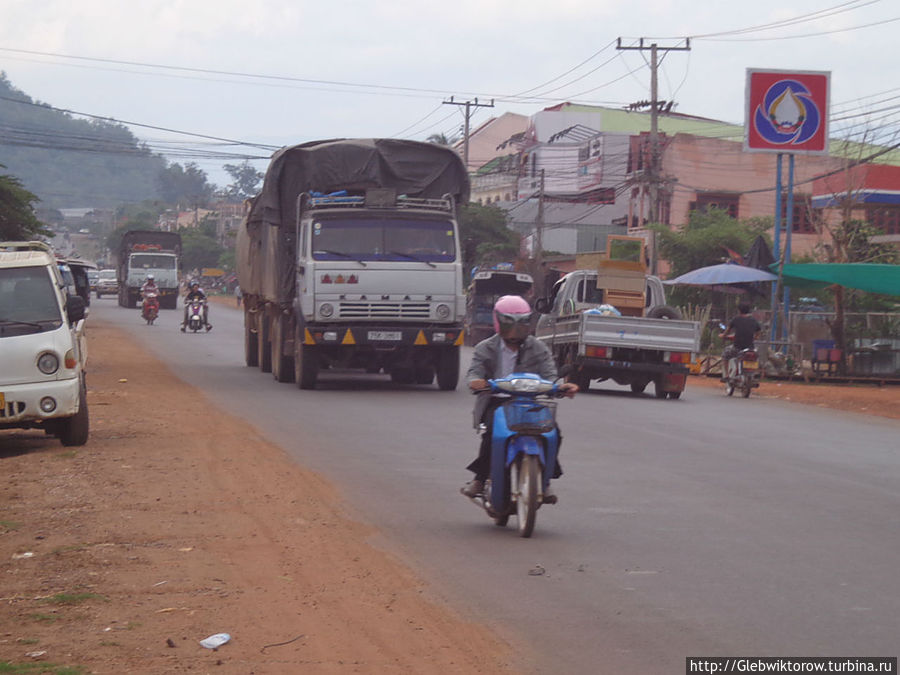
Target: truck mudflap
column 672, row 382
column 383, row 337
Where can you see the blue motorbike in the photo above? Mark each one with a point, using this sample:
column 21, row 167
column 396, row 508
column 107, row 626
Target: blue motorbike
column 524, row 444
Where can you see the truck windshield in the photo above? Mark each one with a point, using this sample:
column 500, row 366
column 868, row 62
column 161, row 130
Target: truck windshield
column 428, row 241
column 27, row 298
column 152, row 261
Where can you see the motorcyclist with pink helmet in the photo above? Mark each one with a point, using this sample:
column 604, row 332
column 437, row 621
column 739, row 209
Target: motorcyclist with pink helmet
column 512, row 349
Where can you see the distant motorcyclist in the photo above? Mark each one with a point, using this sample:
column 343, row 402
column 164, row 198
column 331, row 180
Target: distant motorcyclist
column 512, row 349
column 744, row 329
column 149, row 285
column 195, row 293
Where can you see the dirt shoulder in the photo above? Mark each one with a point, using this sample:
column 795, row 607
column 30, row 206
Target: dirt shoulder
column 169, row 527
column 859, row 398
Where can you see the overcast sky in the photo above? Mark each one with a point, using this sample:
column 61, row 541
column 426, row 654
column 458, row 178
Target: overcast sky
column 276, row 72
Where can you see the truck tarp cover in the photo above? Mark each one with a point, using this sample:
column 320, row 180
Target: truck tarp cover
column 413, row 168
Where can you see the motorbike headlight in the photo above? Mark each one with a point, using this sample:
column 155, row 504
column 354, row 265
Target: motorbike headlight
column 442, row 312
column 526, row 385
column 48, row 363
column 326, row 310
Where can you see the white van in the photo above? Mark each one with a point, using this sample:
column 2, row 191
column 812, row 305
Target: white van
column 42, row 379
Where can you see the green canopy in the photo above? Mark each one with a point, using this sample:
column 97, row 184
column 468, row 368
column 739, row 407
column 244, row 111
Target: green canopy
column 872, row 277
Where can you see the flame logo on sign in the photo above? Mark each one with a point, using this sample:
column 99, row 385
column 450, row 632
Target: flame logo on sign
column 787, row 115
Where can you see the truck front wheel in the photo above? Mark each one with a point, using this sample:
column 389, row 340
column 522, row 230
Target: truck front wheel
column 306, row 364
column 448, row 368
column 282, row 365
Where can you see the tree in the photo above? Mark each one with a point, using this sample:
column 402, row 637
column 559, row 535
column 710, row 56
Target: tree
column 246, row 179
column 185, row 186
column 705, row 240
column 484, row 236
column 198, row 249
column 17, row 218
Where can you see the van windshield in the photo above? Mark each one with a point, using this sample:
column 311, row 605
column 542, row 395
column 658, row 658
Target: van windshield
column 373, row 238
column 27, row 301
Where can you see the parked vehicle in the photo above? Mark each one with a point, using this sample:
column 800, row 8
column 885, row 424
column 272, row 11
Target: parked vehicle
column 195, row 313
column 524, row 445
column 487, row 286
column 143, row 252
column 613, row 323
column 150, row 307
column 42, row 379
column 350, row 257
column 107, row 283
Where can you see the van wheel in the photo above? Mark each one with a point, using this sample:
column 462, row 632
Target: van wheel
column 74, row 430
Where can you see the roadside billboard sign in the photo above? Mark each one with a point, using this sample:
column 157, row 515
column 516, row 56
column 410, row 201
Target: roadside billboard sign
column 787, row 111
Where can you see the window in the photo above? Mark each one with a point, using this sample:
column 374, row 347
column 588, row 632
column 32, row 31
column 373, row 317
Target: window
column 802, row 222
column 727, row 202
column 885, row 218
column 152, row 261
column 383, row 239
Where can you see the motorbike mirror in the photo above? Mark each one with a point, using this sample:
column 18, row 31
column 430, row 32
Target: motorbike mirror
column 542, row 305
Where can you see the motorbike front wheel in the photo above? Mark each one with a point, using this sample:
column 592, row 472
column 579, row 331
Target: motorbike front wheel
column 527, row 498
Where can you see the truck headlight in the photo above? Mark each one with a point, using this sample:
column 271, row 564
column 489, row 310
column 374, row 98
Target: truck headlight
column 48, row 363
column 326, row 309
column 442, row 311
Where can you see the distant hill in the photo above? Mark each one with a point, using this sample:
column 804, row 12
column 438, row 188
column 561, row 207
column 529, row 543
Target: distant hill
column 69, row 162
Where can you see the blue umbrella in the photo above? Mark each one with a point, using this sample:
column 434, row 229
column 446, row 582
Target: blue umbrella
column 723, row 274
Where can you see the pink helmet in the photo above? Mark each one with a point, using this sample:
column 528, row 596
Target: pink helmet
column 512, row 317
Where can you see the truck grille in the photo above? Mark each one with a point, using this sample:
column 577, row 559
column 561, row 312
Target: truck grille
column 384, row 310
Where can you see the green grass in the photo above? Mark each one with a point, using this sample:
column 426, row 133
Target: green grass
column 37, row 668
column 9, row 525
column 72, row 598
column 45, row 618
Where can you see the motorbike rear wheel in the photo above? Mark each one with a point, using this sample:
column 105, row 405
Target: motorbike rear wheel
column 527, row 499
column 746, row 385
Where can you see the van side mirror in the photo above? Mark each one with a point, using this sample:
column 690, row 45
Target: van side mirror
column 75, row 308
column 542, row 305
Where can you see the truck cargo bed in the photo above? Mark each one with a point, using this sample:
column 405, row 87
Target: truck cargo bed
column 633, row 332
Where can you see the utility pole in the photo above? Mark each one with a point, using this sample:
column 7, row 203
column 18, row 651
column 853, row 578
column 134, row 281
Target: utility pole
column 468, row 106
column 539, row 243
column 654, row 172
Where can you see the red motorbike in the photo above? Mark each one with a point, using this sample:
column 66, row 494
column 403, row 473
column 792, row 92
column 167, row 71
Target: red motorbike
column 150, row 307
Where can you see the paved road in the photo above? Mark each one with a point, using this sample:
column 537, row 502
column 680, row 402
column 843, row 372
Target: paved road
column 705, row 526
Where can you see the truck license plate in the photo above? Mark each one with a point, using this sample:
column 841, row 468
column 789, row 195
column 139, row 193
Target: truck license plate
column 385, row 335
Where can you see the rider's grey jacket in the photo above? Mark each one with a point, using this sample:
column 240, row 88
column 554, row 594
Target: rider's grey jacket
column 534, row 357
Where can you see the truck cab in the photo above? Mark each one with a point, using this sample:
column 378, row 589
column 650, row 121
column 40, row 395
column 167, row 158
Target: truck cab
column 379, row 286
column 42, row 381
